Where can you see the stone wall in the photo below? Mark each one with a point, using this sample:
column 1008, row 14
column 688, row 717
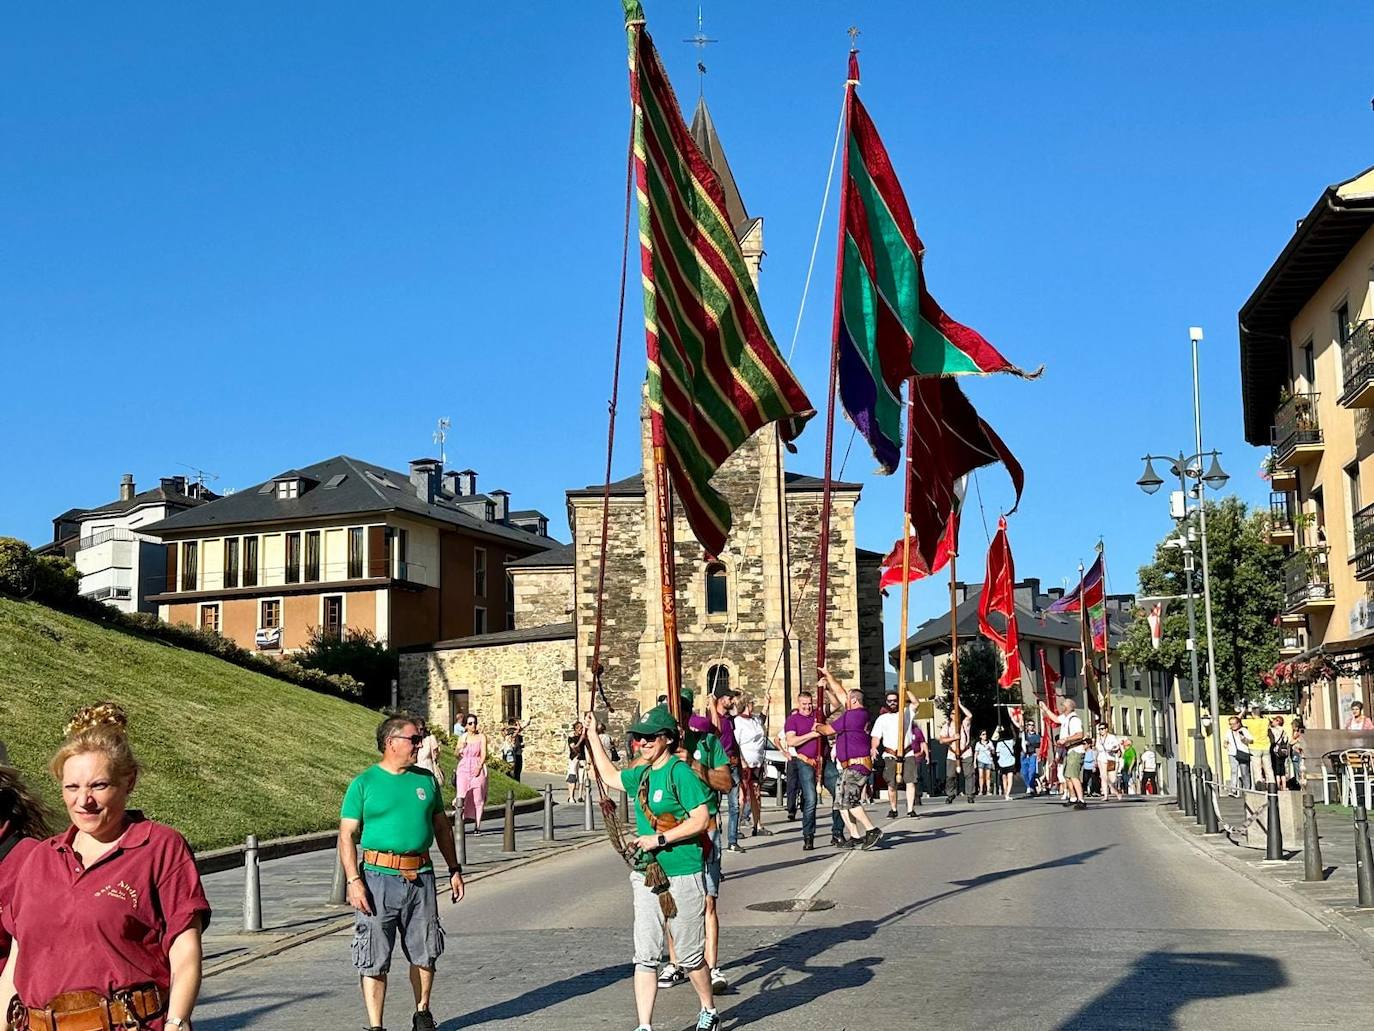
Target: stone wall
column 548, row 700
column 872, row 654
column 543, row 595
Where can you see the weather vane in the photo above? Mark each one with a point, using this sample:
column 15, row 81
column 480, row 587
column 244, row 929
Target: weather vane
column 701, row 41
column 441, row 438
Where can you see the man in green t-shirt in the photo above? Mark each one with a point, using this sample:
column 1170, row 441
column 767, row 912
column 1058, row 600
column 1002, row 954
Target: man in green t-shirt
column 397, row 809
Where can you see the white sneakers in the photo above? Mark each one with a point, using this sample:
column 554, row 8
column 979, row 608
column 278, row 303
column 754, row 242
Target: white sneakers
column 718, row 981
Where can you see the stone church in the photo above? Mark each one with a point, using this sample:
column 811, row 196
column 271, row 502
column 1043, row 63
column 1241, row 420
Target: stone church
column 746, row 617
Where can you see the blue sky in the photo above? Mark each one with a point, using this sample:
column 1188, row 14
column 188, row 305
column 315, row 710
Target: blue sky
column 246, row 237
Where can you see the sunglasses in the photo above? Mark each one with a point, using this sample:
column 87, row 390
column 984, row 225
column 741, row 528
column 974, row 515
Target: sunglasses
column 414, row 739
column 642, row 738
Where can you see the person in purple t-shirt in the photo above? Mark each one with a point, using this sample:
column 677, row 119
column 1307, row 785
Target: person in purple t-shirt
column 804, row 733
column 852, row 755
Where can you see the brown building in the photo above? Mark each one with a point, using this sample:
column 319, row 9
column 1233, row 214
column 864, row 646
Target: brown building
column 414, row 558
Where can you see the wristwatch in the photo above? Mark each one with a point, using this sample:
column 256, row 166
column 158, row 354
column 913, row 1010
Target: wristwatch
column 662, row 841
column 175, row 1022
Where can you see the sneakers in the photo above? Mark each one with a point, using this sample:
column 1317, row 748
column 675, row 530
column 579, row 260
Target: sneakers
column 808, row 844
column 762, row 832
column 837, row 841
column 911, row 814
column 670, row 975
column 1080, row 805
column 736, row 847
column 949, row 799
column 423, row 1021
column 870, row 840
column 791, row 814
column 892, row 814
column 708, row 1020
column 718, row 981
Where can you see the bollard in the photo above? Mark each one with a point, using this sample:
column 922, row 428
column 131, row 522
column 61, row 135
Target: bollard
column 1312, row 869
column 1200, row 799
column 252, row 886
column 1178, row 788
column 548, row 812
column 508, row 832
column 460, row 833
column 1273, row 834
column 1185, row 789
column 782, row 788
column 1211, row 818
column 338, row 891
column 1364, row 863
column 587, row 824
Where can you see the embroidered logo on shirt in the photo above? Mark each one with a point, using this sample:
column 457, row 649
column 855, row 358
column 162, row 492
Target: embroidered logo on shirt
column 123, row 891
column 420, row 792
column 658, row 795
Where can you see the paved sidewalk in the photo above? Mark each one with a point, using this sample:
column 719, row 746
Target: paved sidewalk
column 295, row 890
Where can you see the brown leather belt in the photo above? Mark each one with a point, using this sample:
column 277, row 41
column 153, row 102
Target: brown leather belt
column 91, row 1011
column 407, row 864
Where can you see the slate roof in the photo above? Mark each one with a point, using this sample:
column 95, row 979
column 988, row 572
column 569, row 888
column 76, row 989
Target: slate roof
column 364, row 488
column 551, row 632
column 633, row 486
column 156, row 496
column 562, row 555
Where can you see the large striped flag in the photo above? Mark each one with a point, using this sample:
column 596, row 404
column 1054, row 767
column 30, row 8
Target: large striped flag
column 715, row 375
column 887, row 325
column 1091, row 589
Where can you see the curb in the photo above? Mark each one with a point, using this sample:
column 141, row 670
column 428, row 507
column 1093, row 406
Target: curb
column 1324, row 915
column 281, row 945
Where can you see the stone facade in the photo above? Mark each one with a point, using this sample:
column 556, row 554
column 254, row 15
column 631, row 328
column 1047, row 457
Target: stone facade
column 543, row 595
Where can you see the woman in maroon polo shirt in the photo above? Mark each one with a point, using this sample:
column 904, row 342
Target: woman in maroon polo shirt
column 107, row 916
column 24, row 822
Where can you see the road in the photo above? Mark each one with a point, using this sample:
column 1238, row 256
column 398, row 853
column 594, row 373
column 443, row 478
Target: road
column 1003, row 915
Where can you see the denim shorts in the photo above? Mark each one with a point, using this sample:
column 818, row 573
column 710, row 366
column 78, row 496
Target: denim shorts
column 711, row 870
column 410, row 907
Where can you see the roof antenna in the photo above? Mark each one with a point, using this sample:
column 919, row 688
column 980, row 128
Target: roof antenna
column 700, row 41
column 441, row 436
column 201, row 474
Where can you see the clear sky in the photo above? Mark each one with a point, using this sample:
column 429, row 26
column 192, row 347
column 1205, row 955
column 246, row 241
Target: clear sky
column 245, row 237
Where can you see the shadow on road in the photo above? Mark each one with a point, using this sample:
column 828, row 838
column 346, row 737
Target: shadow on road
column 1160, row 984
column 544, row 997
column 244, row 1018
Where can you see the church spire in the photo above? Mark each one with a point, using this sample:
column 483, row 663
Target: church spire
column 704, row 133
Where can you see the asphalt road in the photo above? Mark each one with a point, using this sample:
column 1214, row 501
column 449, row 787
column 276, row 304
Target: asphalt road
column 1000, row 916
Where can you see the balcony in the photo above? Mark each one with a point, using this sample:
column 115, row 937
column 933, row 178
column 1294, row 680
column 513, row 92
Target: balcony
column 1307, row 581
column 1281, row 527
column 1364, row 543
column 1357, row 364
column 1292, row 641
column 1297, row 432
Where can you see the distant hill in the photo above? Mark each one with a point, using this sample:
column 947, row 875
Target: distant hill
column 225, row 751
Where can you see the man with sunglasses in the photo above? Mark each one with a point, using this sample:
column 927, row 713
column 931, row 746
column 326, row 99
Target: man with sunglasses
column 397, row 810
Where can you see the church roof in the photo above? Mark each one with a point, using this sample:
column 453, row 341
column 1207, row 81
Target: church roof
column 708, row 142
column 529, row 635
column 633, row 486
column 563, row 555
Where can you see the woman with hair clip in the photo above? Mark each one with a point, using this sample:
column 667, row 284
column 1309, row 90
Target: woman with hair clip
column 24, row 822
column 107, row 916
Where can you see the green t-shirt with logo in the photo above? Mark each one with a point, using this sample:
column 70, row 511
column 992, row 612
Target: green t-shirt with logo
column 396, row 809
column 708, row 751
column 673, row 790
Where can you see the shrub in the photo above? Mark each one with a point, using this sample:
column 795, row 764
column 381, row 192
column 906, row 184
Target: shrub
column 356, row 654
column 495, row 762
column 55, row 580
column 18, row 567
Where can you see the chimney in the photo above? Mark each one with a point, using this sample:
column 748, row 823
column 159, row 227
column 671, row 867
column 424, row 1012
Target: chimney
column 173, row 484
column 126, row 487
column 467, row 482
column 502, row 499
column 451, row 485
column 1028, row 592
column 425, row 474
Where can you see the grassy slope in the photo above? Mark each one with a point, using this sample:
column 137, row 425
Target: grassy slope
column 225, row 751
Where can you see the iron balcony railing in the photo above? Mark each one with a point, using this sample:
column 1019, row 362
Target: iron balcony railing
column 1295, row 424
column 1364, row 541
column 1357, row 360
column 1307, row 575
column 1281, row 511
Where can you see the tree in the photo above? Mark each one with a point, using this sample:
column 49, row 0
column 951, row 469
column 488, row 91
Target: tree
column 356, row 653
column 1247, row 596
column 980, row 666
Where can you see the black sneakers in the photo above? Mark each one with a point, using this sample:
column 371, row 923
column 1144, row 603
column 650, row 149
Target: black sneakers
column 423, row 1021
column 870, row 840
column 808, row 844
column 892, row 814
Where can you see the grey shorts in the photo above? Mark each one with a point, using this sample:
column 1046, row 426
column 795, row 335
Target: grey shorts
column 410, row 907
column 851, row 787
column 910, row 770
column 711, row 874
column 688, row 928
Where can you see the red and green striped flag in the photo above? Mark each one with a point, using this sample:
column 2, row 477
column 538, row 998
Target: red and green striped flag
column 715, row 373
column 887, row 326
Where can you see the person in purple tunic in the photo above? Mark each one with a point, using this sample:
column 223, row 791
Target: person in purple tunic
column 854, row 759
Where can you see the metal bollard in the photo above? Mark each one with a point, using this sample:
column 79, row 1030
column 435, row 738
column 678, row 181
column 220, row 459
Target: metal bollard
column 1211, row 818
column 1185, row 789
column 548, row 812
column 508, row 832
column 1312, row 869
column 1199, row 796
column 587, row 822
column 338, row 891
column 252, row 886
column 1364, row 862
column 1178, row 789
column 782, row 788
column 1273, row 834
column 460, row 832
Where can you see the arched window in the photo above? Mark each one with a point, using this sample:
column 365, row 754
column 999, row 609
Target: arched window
column 717, row 589
column 717, row 676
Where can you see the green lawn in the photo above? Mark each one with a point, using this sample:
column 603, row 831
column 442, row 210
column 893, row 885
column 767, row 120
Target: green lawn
column 225, row 751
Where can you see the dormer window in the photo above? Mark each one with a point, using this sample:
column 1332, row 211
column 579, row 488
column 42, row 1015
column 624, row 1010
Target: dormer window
column 288, row 489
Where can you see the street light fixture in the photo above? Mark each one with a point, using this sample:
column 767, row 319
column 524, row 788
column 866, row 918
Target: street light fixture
column 1215, row 477
column 1149, row 480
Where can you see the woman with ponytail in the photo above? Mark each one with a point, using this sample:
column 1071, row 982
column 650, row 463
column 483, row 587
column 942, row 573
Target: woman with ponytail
column 107, row 917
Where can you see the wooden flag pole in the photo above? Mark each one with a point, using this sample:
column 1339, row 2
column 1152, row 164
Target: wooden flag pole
column 954, row 660
column 906, row 584
column 1106, row 644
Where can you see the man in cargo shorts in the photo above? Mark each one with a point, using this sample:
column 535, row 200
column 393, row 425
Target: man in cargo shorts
column 397, row 809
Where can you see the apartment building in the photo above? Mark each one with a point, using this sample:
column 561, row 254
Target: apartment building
column 413, row 557
column 1307, row 380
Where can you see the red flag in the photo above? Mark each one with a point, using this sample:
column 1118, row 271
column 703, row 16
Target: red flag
column 949, row 440
column 1051, row 678
column 999, row 595
column 891, row 566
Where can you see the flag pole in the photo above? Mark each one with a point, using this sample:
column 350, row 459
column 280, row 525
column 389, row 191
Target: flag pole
column 954, row 660
column 823, row 587
column 906, row 583
column 658, row 436
column 1106, row 643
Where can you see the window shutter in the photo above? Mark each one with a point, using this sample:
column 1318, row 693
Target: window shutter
column 378, row 559
column 172, row 566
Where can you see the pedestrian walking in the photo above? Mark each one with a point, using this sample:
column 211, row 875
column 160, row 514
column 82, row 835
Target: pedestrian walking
column 1149, row 771
column 24, row 823
column 1238, row 742
column 982, row 759
column 394, row 813
column 1109, row 759
column 670, row 804
column 427, row 758
column 470, row 782
column 1092, row 780
column 106, row 917
column 1030, row 754
column 719, row 711
column 1279, row 751
column 1004, row 752
column 806, row 735
column 890, row 729
column 513, row 751
column 791, row 768
column 577, row 761
column 752, row 738
column 959, row 774
column 854, row 761
column 1074, row 741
